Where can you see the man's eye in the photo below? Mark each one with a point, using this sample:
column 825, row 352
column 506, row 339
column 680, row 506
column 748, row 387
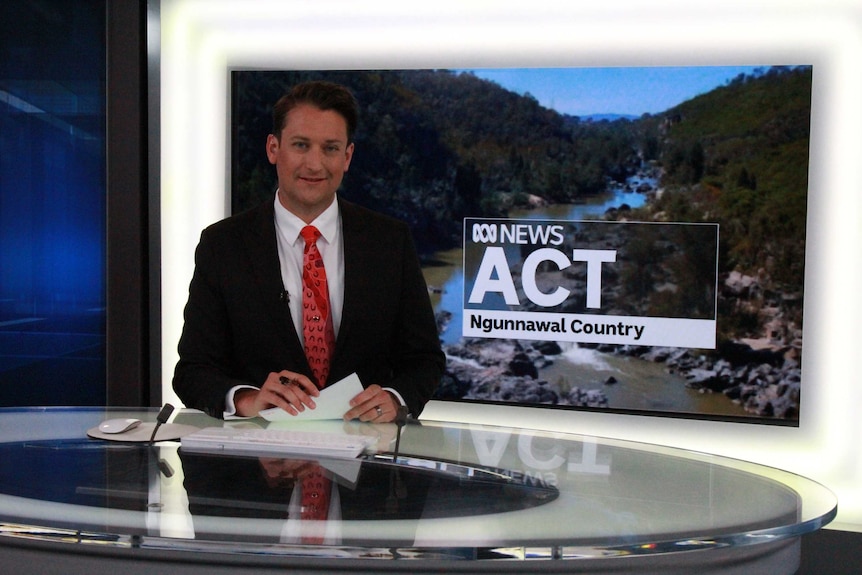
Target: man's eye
column 300, row 145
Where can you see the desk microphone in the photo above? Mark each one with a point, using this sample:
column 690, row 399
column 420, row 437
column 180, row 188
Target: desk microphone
column 161, row 419
column 400, row 421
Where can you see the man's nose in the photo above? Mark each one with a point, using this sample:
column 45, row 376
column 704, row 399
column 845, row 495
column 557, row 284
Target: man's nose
column 314, row 159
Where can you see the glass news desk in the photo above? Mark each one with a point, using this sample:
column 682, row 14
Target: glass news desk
column 456, row 499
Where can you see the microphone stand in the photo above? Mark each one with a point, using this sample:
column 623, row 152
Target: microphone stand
column 396, row 486
column 400, row 421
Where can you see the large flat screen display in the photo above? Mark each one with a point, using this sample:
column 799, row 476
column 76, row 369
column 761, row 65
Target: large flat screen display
column 629, row 240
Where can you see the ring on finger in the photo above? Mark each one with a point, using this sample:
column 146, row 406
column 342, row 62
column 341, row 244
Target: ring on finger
column 379, row 411
column 286, row 381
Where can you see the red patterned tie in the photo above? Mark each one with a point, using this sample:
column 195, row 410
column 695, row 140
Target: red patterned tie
column 317, row 327
column 316, row 489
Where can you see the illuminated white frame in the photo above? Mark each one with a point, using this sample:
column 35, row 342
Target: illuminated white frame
column 202, row 40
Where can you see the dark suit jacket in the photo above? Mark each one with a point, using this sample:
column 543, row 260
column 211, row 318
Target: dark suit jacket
column 238, row 329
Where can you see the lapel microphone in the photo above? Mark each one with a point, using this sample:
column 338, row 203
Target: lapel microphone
column 284, row 296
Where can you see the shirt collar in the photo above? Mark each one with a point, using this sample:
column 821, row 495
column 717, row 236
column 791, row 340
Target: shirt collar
column 290, row 225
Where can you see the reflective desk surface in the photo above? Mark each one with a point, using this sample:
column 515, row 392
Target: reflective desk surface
column 455, row 498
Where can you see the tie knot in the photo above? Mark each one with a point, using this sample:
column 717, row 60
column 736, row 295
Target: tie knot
column 310, row 234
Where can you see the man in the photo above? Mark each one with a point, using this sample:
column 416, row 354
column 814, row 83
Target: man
column 242, row 351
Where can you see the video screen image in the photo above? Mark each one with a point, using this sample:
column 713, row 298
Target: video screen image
column 629, row 240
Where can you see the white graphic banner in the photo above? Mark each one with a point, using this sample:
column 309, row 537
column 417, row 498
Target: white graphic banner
column 598, row 282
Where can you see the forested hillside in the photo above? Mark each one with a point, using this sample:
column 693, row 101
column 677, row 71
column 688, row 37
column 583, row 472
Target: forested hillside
column 436, row 146
column 739, row 155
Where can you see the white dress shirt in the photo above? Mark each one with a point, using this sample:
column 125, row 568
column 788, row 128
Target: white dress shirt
column 290, row 255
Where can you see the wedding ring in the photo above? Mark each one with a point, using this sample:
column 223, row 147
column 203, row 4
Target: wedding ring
column 286, row 380
column 379, row 411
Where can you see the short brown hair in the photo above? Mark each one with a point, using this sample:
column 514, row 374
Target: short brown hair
column 321, row 95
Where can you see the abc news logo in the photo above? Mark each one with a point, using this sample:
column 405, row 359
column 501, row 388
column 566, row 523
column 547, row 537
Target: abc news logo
column 518, row 233
column 484, row 233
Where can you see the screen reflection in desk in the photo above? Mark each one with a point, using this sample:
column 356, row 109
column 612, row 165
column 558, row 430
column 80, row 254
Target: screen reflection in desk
column 372, row 488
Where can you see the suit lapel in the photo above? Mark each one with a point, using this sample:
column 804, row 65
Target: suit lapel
column 259, row 241
column 355, row 266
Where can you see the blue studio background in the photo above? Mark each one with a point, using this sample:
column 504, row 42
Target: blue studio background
column 52, row 202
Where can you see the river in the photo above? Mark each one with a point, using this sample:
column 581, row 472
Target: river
column 641, row 385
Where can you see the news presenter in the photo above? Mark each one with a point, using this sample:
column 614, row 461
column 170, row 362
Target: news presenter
column 241, row 349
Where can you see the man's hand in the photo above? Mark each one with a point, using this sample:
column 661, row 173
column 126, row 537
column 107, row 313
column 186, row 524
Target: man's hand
column 373, row 404
column 290, row 391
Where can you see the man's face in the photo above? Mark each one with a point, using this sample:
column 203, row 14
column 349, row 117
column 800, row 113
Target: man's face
column 311, row 158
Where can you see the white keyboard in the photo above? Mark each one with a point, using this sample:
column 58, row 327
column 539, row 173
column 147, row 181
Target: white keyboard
column 276, row 441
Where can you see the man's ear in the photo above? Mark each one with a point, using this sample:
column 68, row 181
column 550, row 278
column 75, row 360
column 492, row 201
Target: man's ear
column 272, row 144
column 348, row 155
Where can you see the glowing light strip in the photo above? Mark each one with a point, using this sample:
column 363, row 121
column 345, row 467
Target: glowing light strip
column 202, row 39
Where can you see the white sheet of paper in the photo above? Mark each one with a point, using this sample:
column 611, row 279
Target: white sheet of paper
column 332, row 403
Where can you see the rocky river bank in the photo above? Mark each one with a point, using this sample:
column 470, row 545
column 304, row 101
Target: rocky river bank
column 765, row 383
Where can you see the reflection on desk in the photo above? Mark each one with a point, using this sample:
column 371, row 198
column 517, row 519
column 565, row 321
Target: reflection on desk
column 367, row 489
column 453, row 492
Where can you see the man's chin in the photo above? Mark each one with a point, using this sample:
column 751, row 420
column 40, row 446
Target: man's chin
column 308, row 200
